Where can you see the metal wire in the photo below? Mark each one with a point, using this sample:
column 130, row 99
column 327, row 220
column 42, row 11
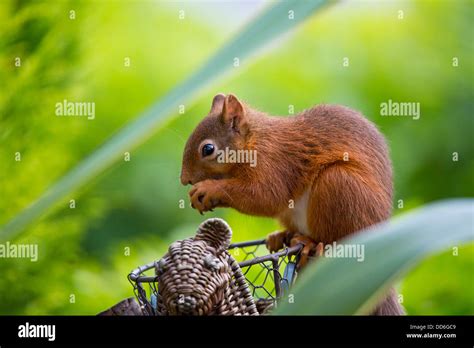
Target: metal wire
column 264, row 273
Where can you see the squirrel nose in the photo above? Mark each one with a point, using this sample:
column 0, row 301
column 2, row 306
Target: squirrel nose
column 185, row 180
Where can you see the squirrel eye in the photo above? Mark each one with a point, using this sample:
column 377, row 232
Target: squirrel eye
column 207, row 150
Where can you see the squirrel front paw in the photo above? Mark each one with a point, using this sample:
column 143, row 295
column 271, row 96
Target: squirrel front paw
column 205, row 195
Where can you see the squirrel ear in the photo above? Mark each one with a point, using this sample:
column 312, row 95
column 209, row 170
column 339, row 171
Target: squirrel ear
column 233, row 113
column 217, row 104
column 216, row 233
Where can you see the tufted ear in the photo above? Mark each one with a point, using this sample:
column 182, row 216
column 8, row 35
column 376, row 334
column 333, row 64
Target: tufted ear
column 233, row 114
column 216, row 232
column 217, row 104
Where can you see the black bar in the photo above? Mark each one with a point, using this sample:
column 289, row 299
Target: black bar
column 314, row 330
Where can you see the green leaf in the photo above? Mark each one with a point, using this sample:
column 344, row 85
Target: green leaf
column 259, row 32
column 346, row 286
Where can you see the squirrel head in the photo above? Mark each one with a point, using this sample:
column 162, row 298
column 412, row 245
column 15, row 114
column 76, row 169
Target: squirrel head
column 226, row 126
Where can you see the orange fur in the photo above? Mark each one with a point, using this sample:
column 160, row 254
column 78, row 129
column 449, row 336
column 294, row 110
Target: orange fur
column 304, row 153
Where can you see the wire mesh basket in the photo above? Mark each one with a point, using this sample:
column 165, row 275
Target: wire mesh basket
column 269, row 276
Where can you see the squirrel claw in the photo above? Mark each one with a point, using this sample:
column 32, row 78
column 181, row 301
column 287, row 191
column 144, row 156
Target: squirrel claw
column 319, row 249
column 204, row 196
column 310, row 249
column 277, row 240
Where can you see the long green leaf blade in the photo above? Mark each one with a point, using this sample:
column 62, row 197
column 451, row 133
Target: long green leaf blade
column 255, row 35
column 346, row 286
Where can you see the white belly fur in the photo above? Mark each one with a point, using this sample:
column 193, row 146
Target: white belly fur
column 299, row 213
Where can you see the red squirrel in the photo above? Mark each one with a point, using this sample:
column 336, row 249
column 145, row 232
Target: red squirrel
column 324, row 173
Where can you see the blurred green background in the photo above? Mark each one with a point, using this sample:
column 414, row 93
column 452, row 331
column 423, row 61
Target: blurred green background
column 135, row 206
